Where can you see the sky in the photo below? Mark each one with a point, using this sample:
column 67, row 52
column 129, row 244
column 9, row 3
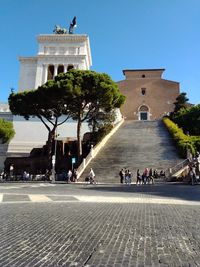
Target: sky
column 124, row 34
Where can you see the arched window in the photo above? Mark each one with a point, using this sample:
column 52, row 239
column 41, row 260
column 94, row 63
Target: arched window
column 60, row 69
column 144, row 108
column 50, row 72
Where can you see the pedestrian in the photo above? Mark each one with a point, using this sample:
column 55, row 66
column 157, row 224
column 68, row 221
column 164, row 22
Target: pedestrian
column 145, row 176
column 150, row 178
column 126, row 176
column 129, row 177
column 75, row 175
column 191, row 175
column 194, row 173
column 121, row 175
column 91, row 176
column 139, row 178
column 69, row 176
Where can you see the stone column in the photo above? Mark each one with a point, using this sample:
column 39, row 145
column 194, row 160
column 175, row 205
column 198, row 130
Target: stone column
column 45, row 69
column 65, row 68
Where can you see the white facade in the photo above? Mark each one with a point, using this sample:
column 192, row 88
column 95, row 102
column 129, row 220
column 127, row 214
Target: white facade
column 56, row 51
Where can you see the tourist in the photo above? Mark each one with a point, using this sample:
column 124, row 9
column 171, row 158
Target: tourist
column 75, row 175
column 155, row 173
column 126, row 176
column 139, row 178
column 69, row 176
column 121, row 175
column 129, row 177
column 145, row 176
column 91, row 176
column 150, row 178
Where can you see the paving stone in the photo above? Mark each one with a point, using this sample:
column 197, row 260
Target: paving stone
column 8, row 198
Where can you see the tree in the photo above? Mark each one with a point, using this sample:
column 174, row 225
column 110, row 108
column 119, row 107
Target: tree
column 48, row 103
column 189, row 120
column 7, row 131
column 92, row 92
column 181, row 102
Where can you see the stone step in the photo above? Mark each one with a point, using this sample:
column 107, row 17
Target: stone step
column 136, row 145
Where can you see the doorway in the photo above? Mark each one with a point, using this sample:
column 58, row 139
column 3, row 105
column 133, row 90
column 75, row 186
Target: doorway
column 143, row 113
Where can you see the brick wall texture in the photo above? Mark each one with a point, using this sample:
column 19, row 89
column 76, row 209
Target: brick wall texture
column 146, row 90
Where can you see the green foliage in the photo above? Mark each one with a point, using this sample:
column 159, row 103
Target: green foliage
column 103, row 130
column 7, row 131
column 92, row 93
column 189, row 120
column 181, row 102
column 182, row 141
column 79, row 94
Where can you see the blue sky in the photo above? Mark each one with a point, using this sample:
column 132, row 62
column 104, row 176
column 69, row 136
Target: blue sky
column 124, row 34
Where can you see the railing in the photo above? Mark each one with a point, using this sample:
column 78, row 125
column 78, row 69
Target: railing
column 94, row 151
column 172, row 171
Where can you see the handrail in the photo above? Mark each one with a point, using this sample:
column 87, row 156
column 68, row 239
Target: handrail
column 171, row 171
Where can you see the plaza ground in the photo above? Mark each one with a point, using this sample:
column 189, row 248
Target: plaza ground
column 99, row 225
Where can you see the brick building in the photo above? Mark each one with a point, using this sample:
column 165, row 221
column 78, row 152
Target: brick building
column 148, row 95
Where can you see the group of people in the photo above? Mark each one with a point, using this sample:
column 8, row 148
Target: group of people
column 70, row 176
column 145, row 177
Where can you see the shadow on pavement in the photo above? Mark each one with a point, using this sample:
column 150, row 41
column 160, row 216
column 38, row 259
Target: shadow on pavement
column 179, row 191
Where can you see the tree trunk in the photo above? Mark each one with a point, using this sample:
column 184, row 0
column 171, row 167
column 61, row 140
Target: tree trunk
column 49, row 148
column 79, row 150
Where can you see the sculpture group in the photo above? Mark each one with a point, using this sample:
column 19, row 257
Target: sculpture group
column 59, row 30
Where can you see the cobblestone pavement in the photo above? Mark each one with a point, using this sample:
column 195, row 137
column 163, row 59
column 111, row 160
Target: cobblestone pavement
column 99, row 226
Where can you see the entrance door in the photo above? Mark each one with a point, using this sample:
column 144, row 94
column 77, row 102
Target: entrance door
column 143, row 113
column 143, row 116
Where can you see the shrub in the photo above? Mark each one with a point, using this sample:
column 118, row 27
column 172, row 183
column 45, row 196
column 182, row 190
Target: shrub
column 7, row 131
column 182, row 141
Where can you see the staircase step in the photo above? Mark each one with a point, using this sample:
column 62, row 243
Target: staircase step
column 136, row 145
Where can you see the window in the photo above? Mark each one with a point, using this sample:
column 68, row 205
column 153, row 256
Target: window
column 50, row 72
column 60, row 69
column 143, row 91
column 143, row 76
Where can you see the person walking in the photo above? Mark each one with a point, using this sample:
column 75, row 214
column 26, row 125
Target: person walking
column 129, row 177
column 69, row 176
column 91, row 176
column 139, row 178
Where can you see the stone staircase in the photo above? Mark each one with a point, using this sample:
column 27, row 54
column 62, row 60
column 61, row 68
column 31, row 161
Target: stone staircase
column 136, row 145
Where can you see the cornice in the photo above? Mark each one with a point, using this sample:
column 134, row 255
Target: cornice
column 28, row 59
column 61, row 56
column 62, row 38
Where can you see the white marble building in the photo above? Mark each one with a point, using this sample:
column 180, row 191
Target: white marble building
column 57, row 53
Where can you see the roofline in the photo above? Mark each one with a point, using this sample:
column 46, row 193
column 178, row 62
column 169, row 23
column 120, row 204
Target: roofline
column 142, row 70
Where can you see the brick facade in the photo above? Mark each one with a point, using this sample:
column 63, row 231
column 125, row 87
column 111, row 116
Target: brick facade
column 148, row 96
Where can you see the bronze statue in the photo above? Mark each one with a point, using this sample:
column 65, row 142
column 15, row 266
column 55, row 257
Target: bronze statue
column 72, row 25
column 59, row 30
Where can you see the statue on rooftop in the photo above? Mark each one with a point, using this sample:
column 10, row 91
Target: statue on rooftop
column 72, row 25
column 59, row 30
